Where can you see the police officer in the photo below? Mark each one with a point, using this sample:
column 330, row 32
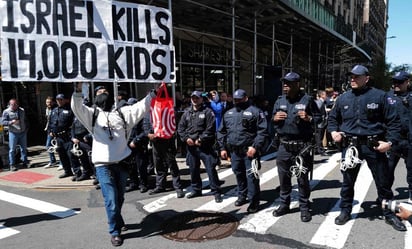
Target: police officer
column 164, row 159
column 366, row 126
column 293, row 116
column 79, row 153
column 138, row 142
column 243, row 132
column 61, row 119
column 401, row 97
column 197, row 128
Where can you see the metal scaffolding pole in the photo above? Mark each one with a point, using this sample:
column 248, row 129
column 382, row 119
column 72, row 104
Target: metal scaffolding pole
column 273, row 44
column 171, row 35
column 233, row 46
column 254, row 55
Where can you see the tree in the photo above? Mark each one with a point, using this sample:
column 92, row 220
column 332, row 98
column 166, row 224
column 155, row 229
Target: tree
column 380, row 74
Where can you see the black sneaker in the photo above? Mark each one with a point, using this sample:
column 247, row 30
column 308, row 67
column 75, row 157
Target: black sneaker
column 305, row 216
column 116, row 240
column 131, row 187
column 143, row 189
column 157, row 191
column 218, row 198
column 342, row 218
column 64, row 175
column 82, row 178
column 13, row 168
column 240, row 201
column 194, row 194
column 280, row 211
column 179, row 193
column 253, row 207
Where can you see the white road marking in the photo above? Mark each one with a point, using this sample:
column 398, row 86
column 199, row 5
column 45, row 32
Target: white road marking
column 161, row 202
column 408, row 235
column 231, row 196
column 42, row 206
column 7, row 232
column 334, row 236
column 263, row 220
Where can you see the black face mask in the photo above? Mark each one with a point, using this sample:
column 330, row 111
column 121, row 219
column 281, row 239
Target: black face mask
column 104, row 101
column 242, row 105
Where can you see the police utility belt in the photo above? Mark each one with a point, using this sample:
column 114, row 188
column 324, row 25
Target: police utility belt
column 60, row 133
column 293, row 145
column 370, row 141
column 237, row 149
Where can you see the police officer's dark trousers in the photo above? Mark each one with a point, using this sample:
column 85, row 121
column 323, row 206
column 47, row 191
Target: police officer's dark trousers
column 138, row 172
column 395, row 154
column 378, row 165
column 247, row 184
column 63, row 143
column 284, row 160
column 164, row 156
column 84, row 160
column 209, row 159
column 409, row 171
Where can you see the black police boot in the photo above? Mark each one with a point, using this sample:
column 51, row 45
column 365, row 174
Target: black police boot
column 395, row 223
column 253, row 207
column 343, row 217
column 281, row 210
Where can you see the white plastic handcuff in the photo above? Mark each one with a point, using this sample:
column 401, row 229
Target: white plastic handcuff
column 53, row 148
column 351, row 159
column 298, row 169
column 254, row 169
column 76, row 150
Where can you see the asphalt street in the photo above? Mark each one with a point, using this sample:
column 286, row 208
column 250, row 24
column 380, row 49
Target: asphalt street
column 58, row 213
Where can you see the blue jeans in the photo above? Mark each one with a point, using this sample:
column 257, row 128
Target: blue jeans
column 113, row 179
column 14, row 140
column 48, row 144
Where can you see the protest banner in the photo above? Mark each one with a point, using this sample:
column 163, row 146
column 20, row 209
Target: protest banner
column 74, row 40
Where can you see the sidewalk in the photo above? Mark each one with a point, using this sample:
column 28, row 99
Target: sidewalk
column 40, row 178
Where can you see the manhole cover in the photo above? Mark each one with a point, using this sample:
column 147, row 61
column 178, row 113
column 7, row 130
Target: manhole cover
column 194, row 226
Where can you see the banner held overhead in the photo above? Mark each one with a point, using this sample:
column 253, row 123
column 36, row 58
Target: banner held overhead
column 66, row 41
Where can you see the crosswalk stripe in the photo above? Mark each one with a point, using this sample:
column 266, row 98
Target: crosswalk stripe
column 231, row 196
column 38, row 205
column 408, row 235
column 263, row 220
column 7, row 232
column 332, row 235
column 161, row 202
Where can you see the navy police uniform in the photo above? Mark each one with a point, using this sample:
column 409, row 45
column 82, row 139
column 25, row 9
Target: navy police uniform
column 200, row 125
column 80, row 132
column 400, row 150
column 61, row 119
column 140, row 152
column 164, row 158
column 364, row 116
column 296, row 138
column 243, row 126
